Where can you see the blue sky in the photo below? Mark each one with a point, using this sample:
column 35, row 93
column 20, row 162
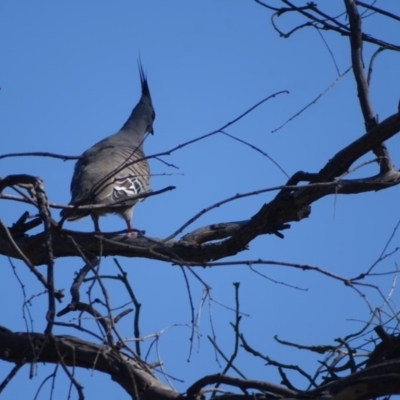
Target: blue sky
column 69, row 77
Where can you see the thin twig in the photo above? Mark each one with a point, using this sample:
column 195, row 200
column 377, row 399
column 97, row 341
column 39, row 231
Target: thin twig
column 313, row 101
column 256, row 149
column 40, row 154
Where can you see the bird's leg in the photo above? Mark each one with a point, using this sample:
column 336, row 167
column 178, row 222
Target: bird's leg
column 95, row 219
column 130, row 229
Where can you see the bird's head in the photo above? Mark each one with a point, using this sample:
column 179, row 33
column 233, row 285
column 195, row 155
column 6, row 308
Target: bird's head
column 143, row 115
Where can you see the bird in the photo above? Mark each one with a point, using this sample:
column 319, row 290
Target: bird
column 114, row 171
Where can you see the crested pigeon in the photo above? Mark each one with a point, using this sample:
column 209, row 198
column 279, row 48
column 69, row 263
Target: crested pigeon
column 115, row 170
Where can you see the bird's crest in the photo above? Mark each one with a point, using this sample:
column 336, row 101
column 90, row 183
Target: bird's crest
column 146, row 97
column 144, row 109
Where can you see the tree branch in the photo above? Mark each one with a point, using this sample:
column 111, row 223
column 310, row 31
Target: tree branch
column 17, row 346
column 362, row 83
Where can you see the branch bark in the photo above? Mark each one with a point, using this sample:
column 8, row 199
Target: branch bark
column 17, row 346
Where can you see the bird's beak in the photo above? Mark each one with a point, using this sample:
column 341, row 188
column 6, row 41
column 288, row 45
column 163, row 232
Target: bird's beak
column 151, row 131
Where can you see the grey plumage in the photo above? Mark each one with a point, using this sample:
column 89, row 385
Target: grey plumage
column 115, row 169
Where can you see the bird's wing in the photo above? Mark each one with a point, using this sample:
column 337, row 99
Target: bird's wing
column 110, row 174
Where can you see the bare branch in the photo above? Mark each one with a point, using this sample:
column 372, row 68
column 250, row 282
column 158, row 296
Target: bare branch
column 358, row 64
column 313, row 101
column 239, row 383
column 40, row 154
column 334, row 25
column 78, row 353
column 378, row 10
column 371, row 63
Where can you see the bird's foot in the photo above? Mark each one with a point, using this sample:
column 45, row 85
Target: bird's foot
column 135, row 234
column 132, row 234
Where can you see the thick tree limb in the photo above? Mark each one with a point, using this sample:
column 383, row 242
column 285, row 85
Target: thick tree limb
column 16, row 346
column 340, row 163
